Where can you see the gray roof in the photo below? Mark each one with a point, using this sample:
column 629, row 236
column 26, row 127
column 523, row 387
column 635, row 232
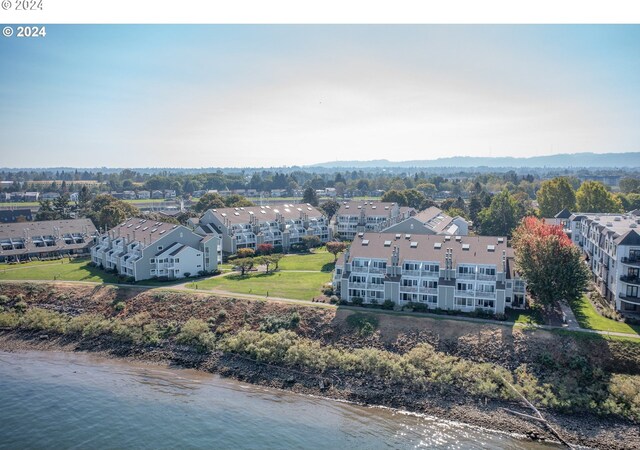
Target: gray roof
column 478, row 251
column 31, row 232
column 11, row 215
column 435, row 218
column 265, row 213
column 564, row 214
column 144, row 230
column 631, row 237
column 371, row 207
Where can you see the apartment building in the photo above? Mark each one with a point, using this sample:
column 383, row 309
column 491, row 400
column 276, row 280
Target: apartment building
column 431, row 221
column 23, row 241
column 355, row 217
column 279, row 225
column 611, row 246
column 144, row 249
column 440, row 271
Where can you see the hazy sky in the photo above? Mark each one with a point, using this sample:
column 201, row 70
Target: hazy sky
column 202, row 96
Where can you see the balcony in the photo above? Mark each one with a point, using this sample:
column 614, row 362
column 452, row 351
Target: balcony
column 377, row 269
column 465, row 276
column 408, row 288
column 411, row 273
column 630, row 279
column 357, row 285
column 485, row 294
column 632, row 261
column 375, row 286
column 484, row 277
column 630, row 299
column 429, row 274
column 428, row 290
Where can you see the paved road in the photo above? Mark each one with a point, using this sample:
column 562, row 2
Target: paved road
column 571, row 321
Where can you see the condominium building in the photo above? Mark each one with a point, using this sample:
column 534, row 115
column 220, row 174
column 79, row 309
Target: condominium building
column 611, row 246
column 249, row 226
column 22, row 241
column 355, row 217
column 144, row 249
column 431, row 221
column 448, row 272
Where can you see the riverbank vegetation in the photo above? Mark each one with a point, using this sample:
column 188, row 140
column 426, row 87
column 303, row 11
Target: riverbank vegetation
column 567, row 374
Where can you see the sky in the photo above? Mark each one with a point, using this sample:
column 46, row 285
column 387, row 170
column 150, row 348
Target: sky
column 271, row 96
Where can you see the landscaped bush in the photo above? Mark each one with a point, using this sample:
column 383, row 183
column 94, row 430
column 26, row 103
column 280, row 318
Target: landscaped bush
column 4, row 299
column 388, row 304
column 356, row 301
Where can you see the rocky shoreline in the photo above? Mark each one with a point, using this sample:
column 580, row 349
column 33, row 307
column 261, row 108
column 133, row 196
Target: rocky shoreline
column 585, row 429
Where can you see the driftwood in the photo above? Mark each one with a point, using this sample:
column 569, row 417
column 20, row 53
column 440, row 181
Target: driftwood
column 538, row 417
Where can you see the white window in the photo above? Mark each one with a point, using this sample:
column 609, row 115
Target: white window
column 176, row 260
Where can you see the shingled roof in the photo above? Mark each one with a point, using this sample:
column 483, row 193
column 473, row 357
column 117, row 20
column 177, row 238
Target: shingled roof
column 465, row 249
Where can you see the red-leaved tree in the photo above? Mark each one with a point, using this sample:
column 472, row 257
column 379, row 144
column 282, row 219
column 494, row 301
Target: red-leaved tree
column 549, row 262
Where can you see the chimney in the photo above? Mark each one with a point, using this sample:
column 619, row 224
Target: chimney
column 504, row 261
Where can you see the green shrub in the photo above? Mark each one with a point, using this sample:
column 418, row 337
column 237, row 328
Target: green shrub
column 4, row 299
column 274, row 323
column 356, row 301
column 364, row 324
column 388, row 304
column 21, row 306
column 41, row 319
column 119, row 306
column 9, row 320
column 196, row 332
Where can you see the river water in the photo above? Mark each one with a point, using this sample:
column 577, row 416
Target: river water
column 61, row 400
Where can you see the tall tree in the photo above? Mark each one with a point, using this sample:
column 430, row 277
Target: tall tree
column 208, row 201
column 310, row 196
column 501, row 217
column 548, row 261
column 335, row 247
column 555, row 195
column 107, row 211
column 594, row 197
column 395, row 196
column 330, row 208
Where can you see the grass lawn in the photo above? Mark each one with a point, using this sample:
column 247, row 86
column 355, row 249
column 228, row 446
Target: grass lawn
column 524, row 316
column 589, row 318
column 149, row 200
column 296, row 285
column 19, row 204
column 77, row 270
column 320, row 260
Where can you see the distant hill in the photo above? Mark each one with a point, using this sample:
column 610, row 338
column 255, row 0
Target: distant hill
column 574, row 160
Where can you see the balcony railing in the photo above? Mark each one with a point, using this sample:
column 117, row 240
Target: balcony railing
column 484, row 277
column 377, row 269
column 634, row 260
column 375, row 286
column 485, row 294
column 408, row 288
column 630, row 279
column 630, row 299
column 465, row 276
column 357, row 285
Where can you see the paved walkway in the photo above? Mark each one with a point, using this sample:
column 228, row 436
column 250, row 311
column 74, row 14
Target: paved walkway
column 571, row 321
